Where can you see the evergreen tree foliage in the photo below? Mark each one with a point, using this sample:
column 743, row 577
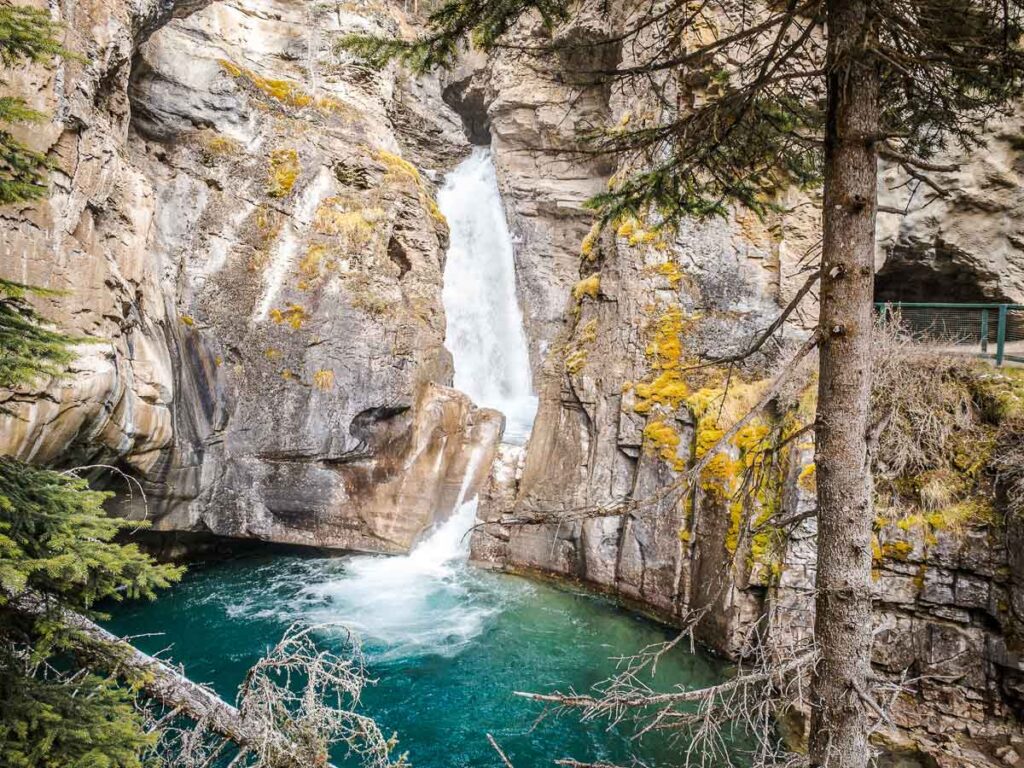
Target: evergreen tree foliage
column 30, row 350
column 26, row 35
column 57, row 548
column 57, row 552
column 743, row 98
column 742, row 87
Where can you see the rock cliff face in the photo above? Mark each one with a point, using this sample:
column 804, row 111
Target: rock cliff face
column 242, row 227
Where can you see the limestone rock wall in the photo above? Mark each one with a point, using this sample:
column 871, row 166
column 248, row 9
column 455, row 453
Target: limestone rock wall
column 245, row 226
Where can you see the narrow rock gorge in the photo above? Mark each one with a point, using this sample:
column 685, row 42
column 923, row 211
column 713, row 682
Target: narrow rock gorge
column 244, row 231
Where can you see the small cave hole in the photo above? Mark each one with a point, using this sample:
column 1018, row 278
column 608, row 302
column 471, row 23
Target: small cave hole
column 935, row 276
column 397, row 254
column 467, row 98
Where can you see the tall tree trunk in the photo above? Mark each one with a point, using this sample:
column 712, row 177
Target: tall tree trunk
column 843, row 604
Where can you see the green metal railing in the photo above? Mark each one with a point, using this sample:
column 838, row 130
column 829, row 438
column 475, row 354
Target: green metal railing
column 991, row 331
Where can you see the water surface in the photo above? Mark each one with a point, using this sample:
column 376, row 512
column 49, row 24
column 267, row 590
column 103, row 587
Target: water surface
column 447, row 647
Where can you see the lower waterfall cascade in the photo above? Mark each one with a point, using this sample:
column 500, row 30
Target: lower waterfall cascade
column 427, row 612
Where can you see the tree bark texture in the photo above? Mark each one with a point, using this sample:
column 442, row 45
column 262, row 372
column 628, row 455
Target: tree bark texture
column 843, row 627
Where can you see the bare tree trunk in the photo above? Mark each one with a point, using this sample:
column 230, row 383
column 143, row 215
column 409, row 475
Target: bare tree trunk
column 843, row 604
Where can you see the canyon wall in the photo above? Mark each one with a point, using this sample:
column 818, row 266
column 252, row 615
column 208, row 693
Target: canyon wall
column 244, row 228
column 243, row 225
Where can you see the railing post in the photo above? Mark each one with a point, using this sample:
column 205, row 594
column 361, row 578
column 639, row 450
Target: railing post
column 984, row 331
column 1001, row 334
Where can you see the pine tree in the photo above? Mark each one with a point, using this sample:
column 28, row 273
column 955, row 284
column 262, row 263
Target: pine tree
column 57, row 548
column 758, row 96
column 26, row 35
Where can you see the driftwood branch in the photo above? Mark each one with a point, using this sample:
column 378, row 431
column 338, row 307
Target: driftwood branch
column 169, row 687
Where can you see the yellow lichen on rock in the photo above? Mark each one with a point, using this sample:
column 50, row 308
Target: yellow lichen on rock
column 337, row 216
column 588, row 248
column 400, row 170
column 287, row 92
column 215, row 146
column 663, row 439
column 665, row 351
column 589, row 286
column 808, row 478
column 323, row 380
column 295, row 315
column 283, row 172
column 671, row 271
column 576, row 352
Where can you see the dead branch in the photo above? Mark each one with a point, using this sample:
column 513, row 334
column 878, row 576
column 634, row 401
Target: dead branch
column 501, row 754
column 277, row 724
column 771, row 329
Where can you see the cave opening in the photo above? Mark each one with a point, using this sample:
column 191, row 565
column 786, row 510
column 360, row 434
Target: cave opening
column 468, row 98
column 937, row 276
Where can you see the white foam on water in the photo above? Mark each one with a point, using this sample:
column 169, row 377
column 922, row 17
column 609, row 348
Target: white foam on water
column 430, row 601
column 425, row 602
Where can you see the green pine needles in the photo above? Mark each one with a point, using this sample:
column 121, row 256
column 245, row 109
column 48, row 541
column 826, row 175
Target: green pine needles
column 27, row 35
column 57, row 551
column 30, row 350
column 737, row 90
column 483, row 21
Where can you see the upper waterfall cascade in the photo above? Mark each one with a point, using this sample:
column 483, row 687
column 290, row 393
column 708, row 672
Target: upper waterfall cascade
column 485, row 327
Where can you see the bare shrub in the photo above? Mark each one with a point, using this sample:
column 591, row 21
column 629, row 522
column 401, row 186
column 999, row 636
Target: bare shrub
column 921, row 402
column 299, row 699
column 1007, row 463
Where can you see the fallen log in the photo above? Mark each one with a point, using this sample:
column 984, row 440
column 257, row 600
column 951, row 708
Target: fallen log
column 171, row 688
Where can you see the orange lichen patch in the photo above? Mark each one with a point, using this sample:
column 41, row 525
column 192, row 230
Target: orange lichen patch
column 288, row 374
column 188, row 320
column 272, row 353
column 337, row 216
column 295, row 315
column 401, row 171
column 283, row 172
column 323, row 380
column 589, row 286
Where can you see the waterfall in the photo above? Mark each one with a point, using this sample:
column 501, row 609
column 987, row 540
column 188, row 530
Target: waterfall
column 485, row 328
column 429, row 601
